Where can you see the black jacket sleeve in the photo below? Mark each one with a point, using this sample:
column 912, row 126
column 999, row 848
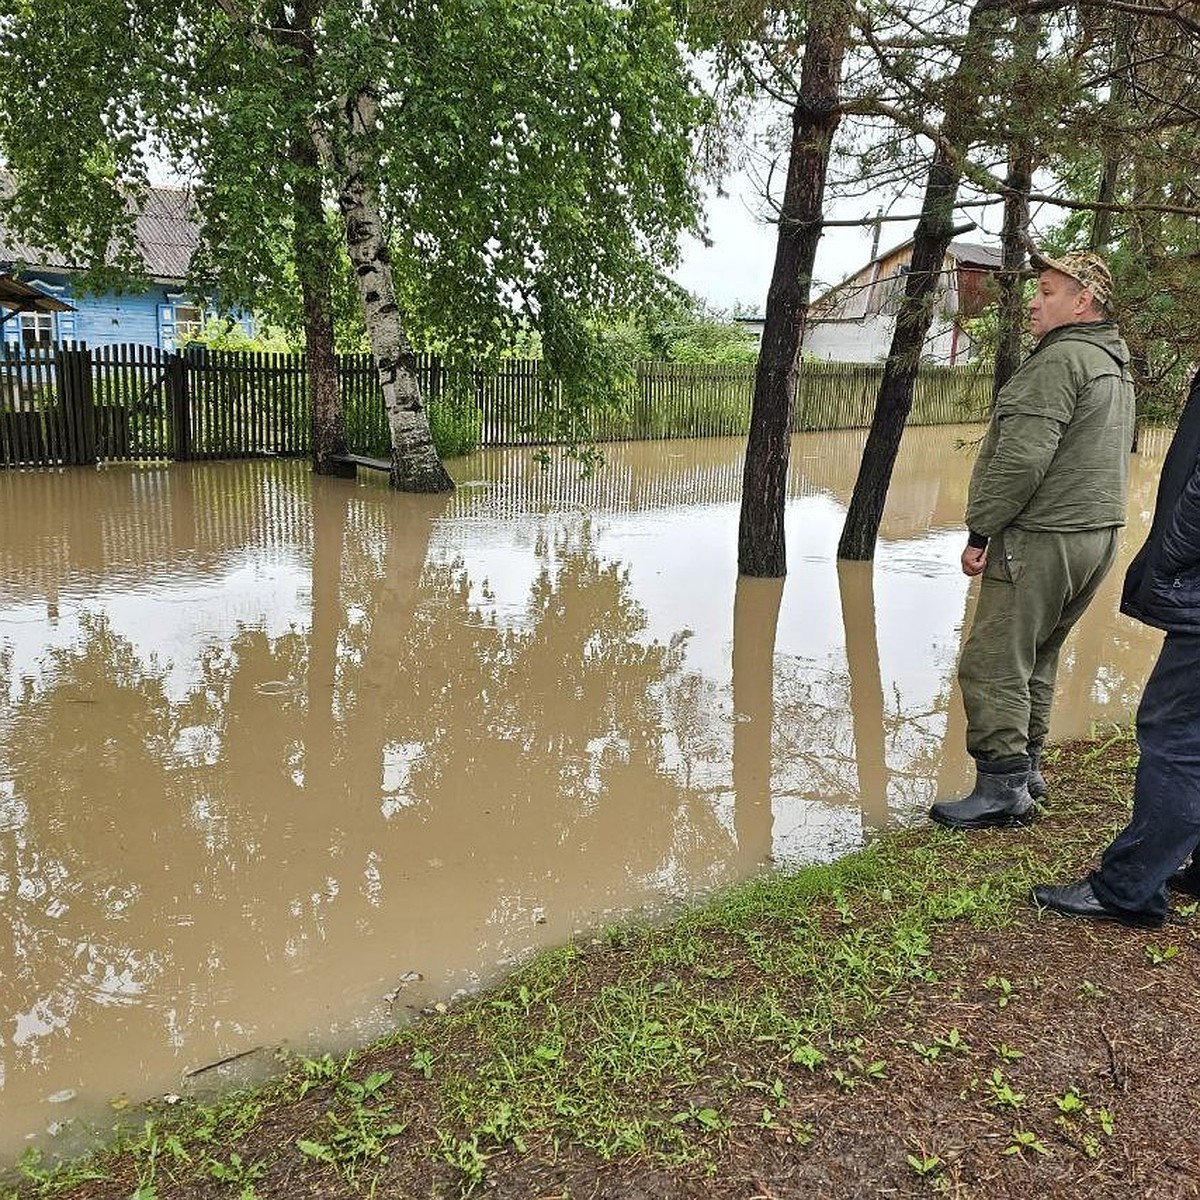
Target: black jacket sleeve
column 1181, row 535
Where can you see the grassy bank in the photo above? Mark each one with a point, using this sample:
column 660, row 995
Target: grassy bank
column 900, row 1023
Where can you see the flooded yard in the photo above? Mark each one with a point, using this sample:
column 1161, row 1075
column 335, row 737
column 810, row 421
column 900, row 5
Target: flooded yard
column 284, row 760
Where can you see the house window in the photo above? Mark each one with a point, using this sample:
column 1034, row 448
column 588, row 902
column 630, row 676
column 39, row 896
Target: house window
column 189, row 322
column 37, row 328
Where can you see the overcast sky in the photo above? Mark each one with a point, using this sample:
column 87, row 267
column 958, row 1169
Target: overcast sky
column 736, row 268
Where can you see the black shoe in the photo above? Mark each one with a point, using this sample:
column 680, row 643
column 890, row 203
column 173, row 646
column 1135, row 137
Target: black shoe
column 1079, row 900
column 1187, row 882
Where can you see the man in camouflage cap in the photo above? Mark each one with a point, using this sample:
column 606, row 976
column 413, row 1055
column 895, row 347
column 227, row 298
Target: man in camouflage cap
column 1086, row 269
column 1044, row 510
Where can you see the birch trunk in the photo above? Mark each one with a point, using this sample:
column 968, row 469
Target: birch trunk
column 415, row 463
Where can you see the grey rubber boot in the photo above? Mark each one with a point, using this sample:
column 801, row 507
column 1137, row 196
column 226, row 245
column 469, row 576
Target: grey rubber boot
column 1037, row 781
column 999, row 799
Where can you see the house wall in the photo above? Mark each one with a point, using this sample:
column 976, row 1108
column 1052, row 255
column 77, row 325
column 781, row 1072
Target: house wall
column 854, row 322
column 866, row 339
column 869, row 339
column 137, row 318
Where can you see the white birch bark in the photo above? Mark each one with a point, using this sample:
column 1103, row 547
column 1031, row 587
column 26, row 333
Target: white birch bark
column 415, row 463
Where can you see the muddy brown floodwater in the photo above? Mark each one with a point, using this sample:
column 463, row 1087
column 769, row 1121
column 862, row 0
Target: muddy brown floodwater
column 284, row 759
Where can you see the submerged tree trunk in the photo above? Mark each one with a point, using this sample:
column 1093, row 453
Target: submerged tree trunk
column 930, row 243
column 892, row 406
column 416, row 466
column 312, row 250
column 815, row 118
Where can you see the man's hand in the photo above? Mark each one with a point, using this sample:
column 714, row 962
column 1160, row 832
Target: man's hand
column 974, row 559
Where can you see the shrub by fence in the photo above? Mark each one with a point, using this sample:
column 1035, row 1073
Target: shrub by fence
column 68, row 404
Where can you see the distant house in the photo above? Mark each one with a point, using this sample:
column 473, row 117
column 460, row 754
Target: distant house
column 164, row 314
column 855, row 319
column 753, row 326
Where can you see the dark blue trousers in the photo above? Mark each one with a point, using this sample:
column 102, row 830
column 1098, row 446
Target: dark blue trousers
column 1165, row 826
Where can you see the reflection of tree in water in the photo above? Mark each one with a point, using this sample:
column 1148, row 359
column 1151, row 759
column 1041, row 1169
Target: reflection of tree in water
column 558, row 719
column 840, row 737
column 72, row 741
column 158, row 846
column 139, row 823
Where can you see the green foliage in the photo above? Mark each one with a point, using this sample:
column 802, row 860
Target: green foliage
column 223, row 333
column 1023, row 1140
column 355, row 1131
column 1158, row 955
column 924, row 1163
column 688, row 332
column 457, row 424
column 533, row 168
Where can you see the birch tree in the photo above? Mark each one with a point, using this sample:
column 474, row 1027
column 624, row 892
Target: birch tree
column 490, row 165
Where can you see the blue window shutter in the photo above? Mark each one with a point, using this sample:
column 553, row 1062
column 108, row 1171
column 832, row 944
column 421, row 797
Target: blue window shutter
column 66, row 327
column 166, row 326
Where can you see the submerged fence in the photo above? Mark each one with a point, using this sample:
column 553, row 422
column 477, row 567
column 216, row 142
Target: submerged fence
column 69, row 404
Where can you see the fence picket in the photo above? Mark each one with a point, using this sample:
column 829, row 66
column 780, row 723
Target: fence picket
column 151, row 404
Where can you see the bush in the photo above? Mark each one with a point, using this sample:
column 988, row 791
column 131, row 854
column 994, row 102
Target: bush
column 456, row 424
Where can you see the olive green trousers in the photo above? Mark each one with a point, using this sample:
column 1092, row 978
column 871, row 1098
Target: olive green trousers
column 1035, row 586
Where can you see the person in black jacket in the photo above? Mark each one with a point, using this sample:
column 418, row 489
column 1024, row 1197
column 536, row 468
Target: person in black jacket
column 1162, row 589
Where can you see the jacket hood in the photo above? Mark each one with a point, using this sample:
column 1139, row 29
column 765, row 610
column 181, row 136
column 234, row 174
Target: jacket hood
column 1104, row 334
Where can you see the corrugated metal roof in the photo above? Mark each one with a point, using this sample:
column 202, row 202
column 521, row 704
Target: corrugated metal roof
column 167, row 236
column 972, row 254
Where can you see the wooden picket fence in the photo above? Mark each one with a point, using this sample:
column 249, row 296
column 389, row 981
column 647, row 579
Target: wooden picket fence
column 69, row 404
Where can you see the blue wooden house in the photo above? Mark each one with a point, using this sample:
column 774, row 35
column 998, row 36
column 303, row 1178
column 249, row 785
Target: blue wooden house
column 164, row 314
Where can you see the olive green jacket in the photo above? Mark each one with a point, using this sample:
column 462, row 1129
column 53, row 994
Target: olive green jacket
column 1056, row 453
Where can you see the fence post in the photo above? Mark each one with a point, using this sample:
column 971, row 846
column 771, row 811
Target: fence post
column 178, row 407
column 76, row 403
column 435, row 377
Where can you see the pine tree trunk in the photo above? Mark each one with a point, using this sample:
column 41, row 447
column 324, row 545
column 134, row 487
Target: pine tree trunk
column 1012, row 309
column 415, row 463
column 1110, row 165
column 892, row 406
column 761, row 546
column 1012, row 292
column 930, row 243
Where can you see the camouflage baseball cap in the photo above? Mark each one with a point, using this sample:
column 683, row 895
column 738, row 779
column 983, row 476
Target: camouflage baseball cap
column 1087, row 269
